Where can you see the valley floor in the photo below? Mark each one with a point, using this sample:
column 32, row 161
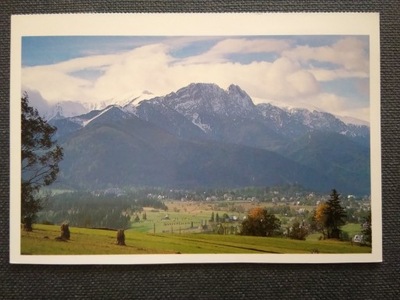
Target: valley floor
column 41, row 241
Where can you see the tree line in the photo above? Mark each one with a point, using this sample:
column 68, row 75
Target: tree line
column 84, row 209
column 327, row 218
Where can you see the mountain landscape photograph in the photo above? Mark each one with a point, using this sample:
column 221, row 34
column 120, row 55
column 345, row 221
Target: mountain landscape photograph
column 196, row 144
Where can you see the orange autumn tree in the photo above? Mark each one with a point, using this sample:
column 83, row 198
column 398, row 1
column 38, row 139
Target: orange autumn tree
column 320, row 218
column 330, row 216
column 256, row 212
column 260, row 223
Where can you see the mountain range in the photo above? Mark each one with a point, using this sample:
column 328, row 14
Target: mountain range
column 205, row 136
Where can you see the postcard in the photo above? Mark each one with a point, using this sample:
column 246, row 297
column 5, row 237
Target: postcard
column 195, row 138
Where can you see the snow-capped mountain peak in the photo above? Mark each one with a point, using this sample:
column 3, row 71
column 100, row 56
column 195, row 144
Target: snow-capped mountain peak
column 353, row 121
column 86, row 122
column 205, row 119
column 110, row 113
column 241, row 98
column 205, row 110
column 210, row 99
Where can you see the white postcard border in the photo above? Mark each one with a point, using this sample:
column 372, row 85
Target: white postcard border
column 188, row 24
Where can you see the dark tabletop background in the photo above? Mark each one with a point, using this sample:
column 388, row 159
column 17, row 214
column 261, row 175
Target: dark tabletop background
column 213, row 281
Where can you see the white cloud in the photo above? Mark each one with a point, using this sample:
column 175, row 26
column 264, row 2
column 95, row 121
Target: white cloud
column 249, row 46
column 348, row 53
column 56, row 82
column 152, row 67
column 87, row 62
column 341, row 106
column 285, row 79
column 54, row 85
column 144, row 68
column 330, row 75
column 328, row 102
column 219, row 52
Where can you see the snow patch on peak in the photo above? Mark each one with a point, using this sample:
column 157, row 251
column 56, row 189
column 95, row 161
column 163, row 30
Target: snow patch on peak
column 353, row 121
column 209, row 98
column 127, row 101
column 131, row 109
column 86, row 122
column 197, row 121
column 240, row 97
column 58, row 113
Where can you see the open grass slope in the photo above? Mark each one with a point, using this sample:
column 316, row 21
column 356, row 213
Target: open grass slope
column 94, row 241
column 175, row 221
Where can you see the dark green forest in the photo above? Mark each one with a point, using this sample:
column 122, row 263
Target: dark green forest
column 91, row 210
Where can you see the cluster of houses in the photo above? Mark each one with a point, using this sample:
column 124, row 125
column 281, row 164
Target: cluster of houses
column 113, row 191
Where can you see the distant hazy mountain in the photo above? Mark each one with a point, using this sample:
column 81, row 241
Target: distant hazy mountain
column 202, row 135
column 134, row 152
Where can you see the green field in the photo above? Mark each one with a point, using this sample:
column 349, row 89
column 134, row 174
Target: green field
column 351, row 229
column 41, row 241
column 175, row 222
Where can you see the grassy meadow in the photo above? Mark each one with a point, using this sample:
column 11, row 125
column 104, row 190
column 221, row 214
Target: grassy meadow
column 177, row 230
column 96, row 241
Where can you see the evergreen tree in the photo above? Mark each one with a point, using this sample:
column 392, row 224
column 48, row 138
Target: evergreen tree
column 40, row 156
column 334, row 216
column 137, row 219
column 212, row 217
column 367, row 230
column 217, row 218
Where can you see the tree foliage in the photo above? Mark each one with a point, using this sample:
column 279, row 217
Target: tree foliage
column 84, row 209
column 335, row 216
column 260, row 223
column 319, row 218
column 212, row 217
column 330, row 216
column 40, row 156
column 298, row 231
column 367, row 229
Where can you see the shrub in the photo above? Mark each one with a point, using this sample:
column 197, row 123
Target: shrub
column 65, row 234
column 121, row 237
column 298, row 232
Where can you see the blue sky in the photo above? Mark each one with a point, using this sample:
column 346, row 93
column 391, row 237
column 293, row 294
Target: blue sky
column 330, row 73
column 44, row 50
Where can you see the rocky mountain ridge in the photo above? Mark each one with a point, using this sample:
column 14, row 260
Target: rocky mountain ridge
column 214, row 130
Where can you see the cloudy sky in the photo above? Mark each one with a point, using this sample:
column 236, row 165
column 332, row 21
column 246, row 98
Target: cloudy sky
column 330, row 73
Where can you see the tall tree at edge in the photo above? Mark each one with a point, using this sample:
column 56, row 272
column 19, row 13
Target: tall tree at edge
column 40, row 156
column 334, row 216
